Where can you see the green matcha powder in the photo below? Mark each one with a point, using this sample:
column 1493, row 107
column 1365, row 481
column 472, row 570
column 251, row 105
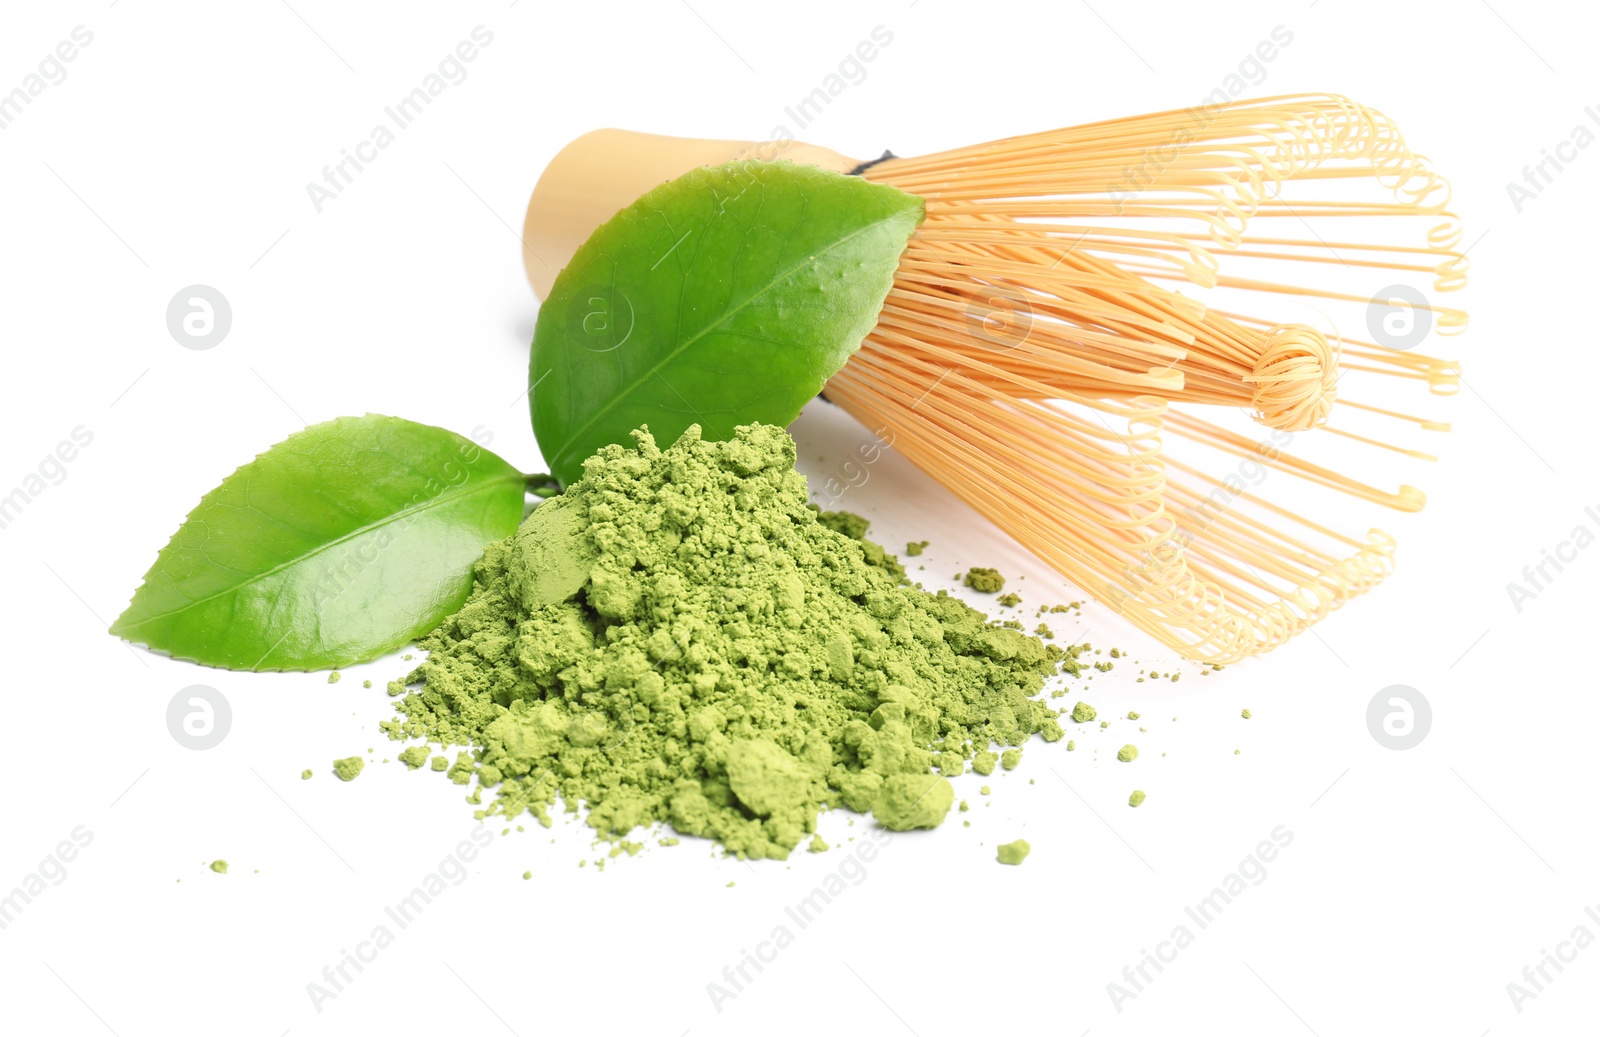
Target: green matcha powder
column 682, row 639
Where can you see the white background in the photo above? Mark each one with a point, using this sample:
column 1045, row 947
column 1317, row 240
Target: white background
column 1418, row 884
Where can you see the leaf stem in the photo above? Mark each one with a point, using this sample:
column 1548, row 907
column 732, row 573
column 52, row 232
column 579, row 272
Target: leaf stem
column 542, row 484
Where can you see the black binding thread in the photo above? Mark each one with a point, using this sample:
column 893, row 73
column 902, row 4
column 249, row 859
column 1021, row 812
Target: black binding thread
column 863, row 167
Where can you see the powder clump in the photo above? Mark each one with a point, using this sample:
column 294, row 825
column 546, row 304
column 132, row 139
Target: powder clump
column 1014, row 852
column 848, row 523
column 908, row 801
column 682, row 638
column 984, row 581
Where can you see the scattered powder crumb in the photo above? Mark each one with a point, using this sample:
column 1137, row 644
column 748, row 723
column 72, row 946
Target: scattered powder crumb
column 414, row 757
column 1082, row 713
column 1010, row 600
column 984, row 762
column 527, row 874
column 1245, row 713
column 1137, row 798
column 1071, row 745
column 915, row 547
column 333, row 678
column 219, row 866
column 1010, row 758
column 817, row 845
column 305, row 775
column 983, row 790
column 349, row 767
column 1012, row 852
column 1128, row 753
column 984, row 581
column 439, row 763
column 1132, row 715
column 366, row 684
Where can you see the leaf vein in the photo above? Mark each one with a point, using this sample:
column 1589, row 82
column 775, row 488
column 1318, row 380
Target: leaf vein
column 433, row 502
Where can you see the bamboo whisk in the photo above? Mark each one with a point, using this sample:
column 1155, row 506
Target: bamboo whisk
column 1036, row 339
column 1081, row 225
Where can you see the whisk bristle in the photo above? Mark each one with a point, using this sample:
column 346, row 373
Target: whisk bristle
column 1211, row 570
column 1036, row 310
column 1083, row 227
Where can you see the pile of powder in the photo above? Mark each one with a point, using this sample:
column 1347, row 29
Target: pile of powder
column 681, row 638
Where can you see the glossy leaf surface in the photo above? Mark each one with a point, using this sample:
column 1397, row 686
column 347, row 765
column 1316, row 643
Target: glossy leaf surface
column 724, row 297
column 345, row 541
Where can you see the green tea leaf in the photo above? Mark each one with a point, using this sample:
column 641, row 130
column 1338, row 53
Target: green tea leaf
column 724, row 297
column 348, row 539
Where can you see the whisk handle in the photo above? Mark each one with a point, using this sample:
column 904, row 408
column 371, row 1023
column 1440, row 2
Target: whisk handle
column 604, row 171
